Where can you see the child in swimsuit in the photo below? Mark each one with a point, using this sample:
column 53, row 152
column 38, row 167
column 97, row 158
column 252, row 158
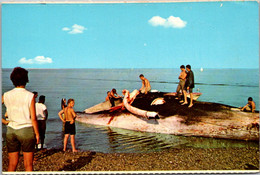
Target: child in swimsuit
column 70, row 129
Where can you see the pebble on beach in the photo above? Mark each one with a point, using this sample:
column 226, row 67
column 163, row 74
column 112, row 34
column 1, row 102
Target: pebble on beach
column 196, row 159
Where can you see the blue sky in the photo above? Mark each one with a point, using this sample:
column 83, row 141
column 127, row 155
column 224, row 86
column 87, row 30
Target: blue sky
column 131, row 35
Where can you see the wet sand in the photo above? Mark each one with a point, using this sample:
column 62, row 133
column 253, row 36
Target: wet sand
column 196, row 159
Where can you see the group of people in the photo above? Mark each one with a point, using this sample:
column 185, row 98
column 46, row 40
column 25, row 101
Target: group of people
column 186, row 84
column 112, row 95
column 26, row 122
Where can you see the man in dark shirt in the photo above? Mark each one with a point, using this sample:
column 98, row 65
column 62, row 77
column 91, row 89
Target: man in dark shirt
column 189, row 85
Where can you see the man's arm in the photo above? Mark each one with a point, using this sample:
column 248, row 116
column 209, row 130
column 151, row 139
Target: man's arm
column 74, row 115
column 184, row 75
column 118, row 96
column 244, row 107
column 142, row 85
column 46, row 114
column 34, row 120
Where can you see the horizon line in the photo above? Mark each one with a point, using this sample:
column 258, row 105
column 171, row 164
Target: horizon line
column 119, row 2
column 134, row 68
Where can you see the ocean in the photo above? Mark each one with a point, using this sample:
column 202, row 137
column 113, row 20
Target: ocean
column 89, row 86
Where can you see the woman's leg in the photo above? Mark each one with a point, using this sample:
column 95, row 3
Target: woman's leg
column 13, row 160
column 28, row 161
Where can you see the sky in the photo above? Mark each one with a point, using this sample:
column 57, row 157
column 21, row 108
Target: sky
column 131, row 35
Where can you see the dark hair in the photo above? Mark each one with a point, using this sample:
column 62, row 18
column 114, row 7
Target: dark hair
column 188, row 66
column 63, row 103
column 250, row 99
column 108, row 92
column 114, row 90
column 70, row 100
column 19, row 76
column 141, row 75
column 35, row 93
column 42, row 99
column 182, row 66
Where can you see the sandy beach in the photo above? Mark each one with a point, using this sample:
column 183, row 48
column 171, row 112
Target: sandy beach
column 197, row 159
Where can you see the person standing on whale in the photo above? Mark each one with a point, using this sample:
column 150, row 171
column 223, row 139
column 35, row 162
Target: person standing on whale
column 189, row 85
column 182, row 78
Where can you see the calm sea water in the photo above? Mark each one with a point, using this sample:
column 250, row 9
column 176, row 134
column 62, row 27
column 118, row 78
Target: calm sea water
column 89, row 86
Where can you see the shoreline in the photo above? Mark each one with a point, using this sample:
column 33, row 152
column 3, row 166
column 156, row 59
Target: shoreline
column 181, row 159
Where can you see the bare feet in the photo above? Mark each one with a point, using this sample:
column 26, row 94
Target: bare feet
column 75, row 151
column 184, row 103
column 190, row 105
column 181, row 101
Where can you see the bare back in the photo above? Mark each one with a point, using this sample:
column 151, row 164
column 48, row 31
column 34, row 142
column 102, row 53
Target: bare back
column 146, row 83
column 69, row 114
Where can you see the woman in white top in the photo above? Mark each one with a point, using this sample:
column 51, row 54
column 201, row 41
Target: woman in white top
column 22, row 129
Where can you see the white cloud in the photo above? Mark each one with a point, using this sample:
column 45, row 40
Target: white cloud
column 36, row 60
column 25, row 61
column 75, row 29
column 174, row 22
column 65, row 29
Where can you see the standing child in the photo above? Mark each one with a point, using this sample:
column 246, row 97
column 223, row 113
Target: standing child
column 70, row 129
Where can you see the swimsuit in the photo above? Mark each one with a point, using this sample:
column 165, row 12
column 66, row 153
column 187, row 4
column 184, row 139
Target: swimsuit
column 70, row 128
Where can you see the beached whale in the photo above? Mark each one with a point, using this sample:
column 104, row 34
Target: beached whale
column 170, row 117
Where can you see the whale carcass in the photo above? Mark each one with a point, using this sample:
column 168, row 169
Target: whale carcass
column 170, row 117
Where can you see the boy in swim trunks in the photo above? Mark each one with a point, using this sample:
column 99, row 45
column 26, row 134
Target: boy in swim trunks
column 70, row 129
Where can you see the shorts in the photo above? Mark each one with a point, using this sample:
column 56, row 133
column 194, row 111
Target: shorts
column 70, row 128
column 180, row 86
column 17, row 139
column 42, row 128
column 190, row 89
